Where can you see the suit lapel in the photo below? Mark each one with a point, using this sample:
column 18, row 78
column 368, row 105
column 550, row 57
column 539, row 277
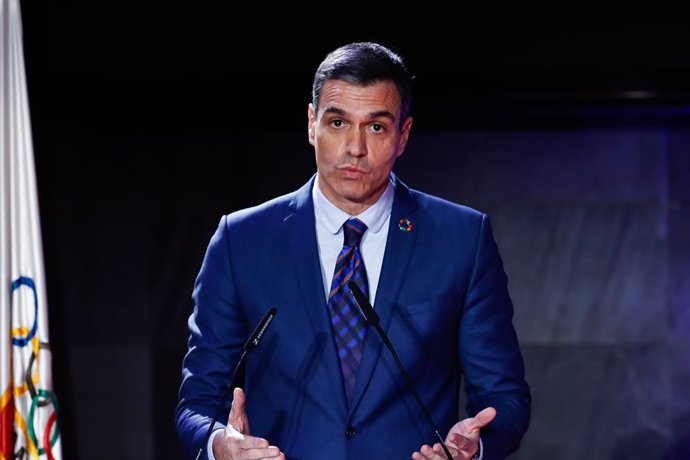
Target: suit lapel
column 399, row 246
column 301, row 231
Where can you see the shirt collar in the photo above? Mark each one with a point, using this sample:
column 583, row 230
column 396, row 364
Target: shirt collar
column 333, row 218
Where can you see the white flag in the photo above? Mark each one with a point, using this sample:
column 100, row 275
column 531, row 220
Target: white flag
column 28, row 416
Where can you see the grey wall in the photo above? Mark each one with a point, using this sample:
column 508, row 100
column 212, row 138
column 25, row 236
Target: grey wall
column 593, row 227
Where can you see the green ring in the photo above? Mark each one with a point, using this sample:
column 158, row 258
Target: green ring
column 30, row 421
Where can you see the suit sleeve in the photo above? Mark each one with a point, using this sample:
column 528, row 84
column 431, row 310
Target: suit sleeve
column 216, row 333
column 490, row 353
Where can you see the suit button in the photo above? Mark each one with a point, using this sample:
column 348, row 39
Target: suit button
column 350, row 432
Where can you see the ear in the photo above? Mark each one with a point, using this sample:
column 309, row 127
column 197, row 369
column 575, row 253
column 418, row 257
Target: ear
column 404, row 135
column 311, row 117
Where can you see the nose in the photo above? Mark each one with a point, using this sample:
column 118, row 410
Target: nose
column 356, row 143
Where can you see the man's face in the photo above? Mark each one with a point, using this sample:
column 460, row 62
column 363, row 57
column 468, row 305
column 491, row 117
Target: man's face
column 357, row 138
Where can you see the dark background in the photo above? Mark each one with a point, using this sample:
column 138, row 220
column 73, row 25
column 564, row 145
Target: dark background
column 567, row 123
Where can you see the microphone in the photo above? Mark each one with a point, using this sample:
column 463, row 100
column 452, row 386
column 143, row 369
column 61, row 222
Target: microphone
column 249, row 346
column 373, row 318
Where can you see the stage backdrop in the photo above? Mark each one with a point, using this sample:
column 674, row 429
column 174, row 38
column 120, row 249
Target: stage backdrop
column 592, row 219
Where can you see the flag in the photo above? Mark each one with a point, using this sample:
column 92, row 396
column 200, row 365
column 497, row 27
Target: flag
column 29, row 408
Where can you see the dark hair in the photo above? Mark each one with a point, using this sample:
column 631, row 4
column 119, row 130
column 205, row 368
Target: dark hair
column 365, row 63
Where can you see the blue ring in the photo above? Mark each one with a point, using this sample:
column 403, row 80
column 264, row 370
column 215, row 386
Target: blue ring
column 26, row 281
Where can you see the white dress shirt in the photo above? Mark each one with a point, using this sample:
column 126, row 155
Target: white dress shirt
column 329, row 235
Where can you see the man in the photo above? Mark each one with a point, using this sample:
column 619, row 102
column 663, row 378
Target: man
column 320, row 385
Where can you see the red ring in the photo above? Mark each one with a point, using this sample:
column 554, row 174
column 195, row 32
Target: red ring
column 46, row 435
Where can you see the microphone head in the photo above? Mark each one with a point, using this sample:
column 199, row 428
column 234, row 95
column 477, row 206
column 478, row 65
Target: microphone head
column 253, row 340
column 363, row 303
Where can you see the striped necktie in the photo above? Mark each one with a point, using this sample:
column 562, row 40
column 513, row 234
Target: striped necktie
column 349, row 326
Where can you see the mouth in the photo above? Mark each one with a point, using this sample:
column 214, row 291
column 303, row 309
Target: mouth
column 350, row 172
column 351, row 169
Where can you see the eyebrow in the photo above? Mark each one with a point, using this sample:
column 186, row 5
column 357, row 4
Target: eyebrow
column 379, row 114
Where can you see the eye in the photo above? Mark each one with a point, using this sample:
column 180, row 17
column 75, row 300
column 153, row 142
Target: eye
column 377, row 127
column 336, row 123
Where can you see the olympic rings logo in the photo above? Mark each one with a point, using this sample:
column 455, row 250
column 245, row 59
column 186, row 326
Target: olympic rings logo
column 39, row 398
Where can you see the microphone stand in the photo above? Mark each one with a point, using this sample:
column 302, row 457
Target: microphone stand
column 251, row 343
column 373, row 318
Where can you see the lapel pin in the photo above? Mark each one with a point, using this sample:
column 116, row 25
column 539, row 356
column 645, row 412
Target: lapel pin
column 405, row 225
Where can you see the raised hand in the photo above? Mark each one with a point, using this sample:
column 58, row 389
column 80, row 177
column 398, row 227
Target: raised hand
column 235, row 442
column 462, row 439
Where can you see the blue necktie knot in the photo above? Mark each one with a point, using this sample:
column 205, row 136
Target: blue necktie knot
column 354, row 230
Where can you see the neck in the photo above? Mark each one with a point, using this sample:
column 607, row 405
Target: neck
column 351, row 207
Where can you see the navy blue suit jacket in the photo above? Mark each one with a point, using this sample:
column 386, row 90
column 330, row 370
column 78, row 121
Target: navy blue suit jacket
column 442, row 300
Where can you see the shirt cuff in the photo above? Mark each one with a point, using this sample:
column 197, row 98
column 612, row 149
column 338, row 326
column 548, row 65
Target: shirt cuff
column 480, row 453
column 209, row 445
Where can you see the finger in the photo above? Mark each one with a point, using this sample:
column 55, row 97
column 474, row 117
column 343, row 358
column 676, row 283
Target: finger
column 419, row 456
column 483, row 418
column 237, row 445
column 440, row 452
column 255, row 454
column 486, row 416
column 427, row 451
column 422, row 453
column 238, row 400
column 237, row 416
column 454, row 451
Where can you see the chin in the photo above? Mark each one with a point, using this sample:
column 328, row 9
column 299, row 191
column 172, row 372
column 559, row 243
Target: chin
column 354, row 193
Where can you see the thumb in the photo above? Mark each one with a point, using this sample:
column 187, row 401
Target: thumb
column 237, row 417
column 483, row 418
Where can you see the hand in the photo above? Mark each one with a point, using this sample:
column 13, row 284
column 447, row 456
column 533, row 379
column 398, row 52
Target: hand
column 462, row 440
column 235, row 443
